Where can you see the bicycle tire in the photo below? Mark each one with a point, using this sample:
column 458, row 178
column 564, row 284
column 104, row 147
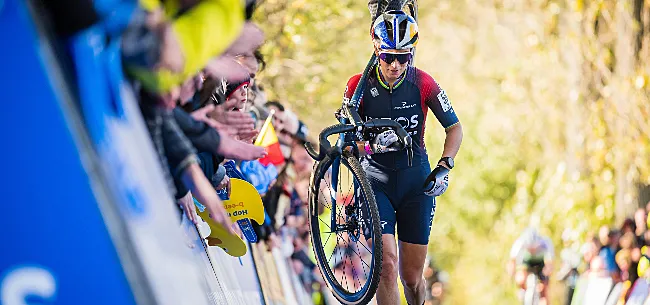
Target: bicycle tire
column 368, row 290
column 531, row 296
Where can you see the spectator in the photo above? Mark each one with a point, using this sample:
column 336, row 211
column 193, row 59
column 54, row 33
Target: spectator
column 590, row 250
column 237, row 94
column 628, row 226
column 640, row 219
column 278, row 117
column 435, row 283
column 629, row 246
column 598, row 268
column 624, row 262
column 609, row 239
column 188, row 85
column 570, row 264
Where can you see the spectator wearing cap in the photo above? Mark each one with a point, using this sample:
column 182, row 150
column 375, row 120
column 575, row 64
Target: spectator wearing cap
column 237, row 93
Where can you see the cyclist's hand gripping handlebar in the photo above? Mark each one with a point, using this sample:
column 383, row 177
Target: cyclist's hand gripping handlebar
column 374, row 125
column 405, row 141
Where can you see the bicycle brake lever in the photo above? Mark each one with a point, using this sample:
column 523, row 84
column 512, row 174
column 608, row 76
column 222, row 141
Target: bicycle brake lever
column 408, row 143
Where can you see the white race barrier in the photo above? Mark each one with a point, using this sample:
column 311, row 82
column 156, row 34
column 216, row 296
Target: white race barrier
column 639, row 293
column 259, row 277
column 598, row 289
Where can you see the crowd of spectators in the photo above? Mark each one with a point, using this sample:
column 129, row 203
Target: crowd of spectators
column 619, row 253
column 193, row 66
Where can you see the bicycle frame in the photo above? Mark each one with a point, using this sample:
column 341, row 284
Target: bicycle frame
column 350, row 121
column 336, row 163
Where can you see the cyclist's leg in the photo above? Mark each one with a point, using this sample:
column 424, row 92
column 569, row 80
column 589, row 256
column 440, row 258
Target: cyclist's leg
column 412, row 257
column 543, row 279
column 521, row 274
column 387, row 292
column 414, row 218
column 543, row 297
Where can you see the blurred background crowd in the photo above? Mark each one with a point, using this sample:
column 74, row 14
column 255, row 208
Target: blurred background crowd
column 616, row 253
column 570, row 144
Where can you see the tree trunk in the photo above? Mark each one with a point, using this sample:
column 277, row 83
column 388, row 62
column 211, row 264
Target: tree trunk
column 624, row 51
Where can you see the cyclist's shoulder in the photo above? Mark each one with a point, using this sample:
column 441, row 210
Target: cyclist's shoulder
column 354, row 79
column 352, row 84
column 424, row 80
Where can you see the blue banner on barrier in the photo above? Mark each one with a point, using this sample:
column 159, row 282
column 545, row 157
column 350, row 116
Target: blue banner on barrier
column 56, row 248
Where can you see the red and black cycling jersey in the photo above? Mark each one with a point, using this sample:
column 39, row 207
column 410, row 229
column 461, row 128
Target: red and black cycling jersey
column 407, row 103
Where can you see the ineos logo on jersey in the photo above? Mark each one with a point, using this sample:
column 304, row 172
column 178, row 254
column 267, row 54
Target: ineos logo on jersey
column 413, row 123
column 407, row 123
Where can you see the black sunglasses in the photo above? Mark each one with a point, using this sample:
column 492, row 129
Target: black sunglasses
column 402, row 58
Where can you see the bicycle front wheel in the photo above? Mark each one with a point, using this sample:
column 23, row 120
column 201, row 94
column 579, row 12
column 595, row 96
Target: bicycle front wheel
column 531, row 296
column 345, row 229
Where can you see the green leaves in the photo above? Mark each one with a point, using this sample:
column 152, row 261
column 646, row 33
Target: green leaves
column 555, row 129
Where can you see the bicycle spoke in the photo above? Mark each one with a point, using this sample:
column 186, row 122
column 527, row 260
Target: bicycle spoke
column 358, row 254
column 344, row 276
column 363, row 244
column 333, row 252
column 354, row 273
column 359, row 281
column 330, row 207
column 325, row 224
column 364, row 271
column 329, row 194
column 328, row 239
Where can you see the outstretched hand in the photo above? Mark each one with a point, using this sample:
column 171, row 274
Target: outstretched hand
column 187, row 203
column 235, row 149
column 225, row 66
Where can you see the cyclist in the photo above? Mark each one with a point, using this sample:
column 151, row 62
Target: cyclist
column 531, row 252
column 403, row 93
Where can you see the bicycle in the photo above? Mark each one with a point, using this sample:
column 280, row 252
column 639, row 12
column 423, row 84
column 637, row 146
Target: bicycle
column 349, row 209
column 532, row 294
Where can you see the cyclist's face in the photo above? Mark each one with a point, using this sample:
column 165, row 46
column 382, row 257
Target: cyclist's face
column 392, row 70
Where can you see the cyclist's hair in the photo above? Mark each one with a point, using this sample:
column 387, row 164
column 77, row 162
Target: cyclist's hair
column 274, row 104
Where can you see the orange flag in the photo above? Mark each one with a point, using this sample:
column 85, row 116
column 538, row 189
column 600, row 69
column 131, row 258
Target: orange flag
column 269, row 140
